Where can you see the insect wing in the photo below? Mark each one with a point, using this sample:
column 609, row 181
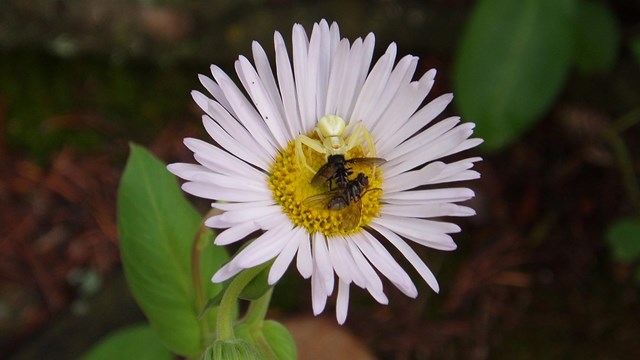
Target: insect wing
column 352, row 215
column 371, row 161
column 323, row 175
column 320, row 201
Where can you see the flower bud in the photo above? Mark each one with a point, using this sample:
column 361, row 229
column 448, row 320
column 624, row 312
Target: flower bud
column 236, row 349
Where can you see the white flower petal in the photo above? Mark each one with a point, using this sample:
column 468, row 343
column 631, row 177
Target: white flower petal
column 269, row 112
column 384, row 262
column 220, row 161
column 304, row 260
column 358, row 63
column 401, row 74
column 241, row 205
column 272, row 220
column 428, row 196
column 337, row 74
column 287, row 86
column 318, row 292
column 205, row 190
column 340, row 257
column 300, row 54
column 232, row 145
column 268, row 80
column 406, row 102
column 422, row 231
column 235, row 233
column 285, row 257
column 215, row 90
column 410, row 255
column 373, row 282
column 342, row 303
column 244, row 215
column 434, row 173
column 240, row 184
column 375, row 83
column 323, row 269
column 323, row 67
column 264, row 248
column 247, row 115
column 186, row 171
column 417, row 121
column 424, row 225
column 426, row 210
column 226, row 272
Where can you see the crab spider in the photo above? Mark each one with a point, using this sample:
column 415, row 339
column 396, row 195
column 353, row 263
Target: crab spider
column 334, row 139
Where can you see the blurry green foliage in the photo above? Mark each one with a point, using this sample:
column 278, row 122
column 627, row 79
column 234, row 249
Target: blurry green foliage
column 597, row 37
column 157, row 226
column 515, row 56
column 136, row 342
column 87, row 101
column 624, row 240
column 635, row 48
column 512, row 63
column 271, row 333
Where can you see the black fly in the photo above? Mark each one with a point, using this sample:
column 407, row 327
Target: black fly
column 349, row 196
column 337, row 170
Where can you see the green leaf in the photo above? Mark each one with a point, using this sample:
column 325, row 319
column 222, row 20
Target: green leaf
column 624, row 240
column 512, row 63
column 597, row 37
column 137, row 342
column 280, row 340
column 634, row 45
column 272, row 337
column 157, row 228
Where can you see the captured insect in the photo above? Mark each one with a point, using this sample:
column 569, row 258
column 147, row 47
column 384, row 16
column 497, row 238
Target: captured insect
column 337, row 170
column 334, row 138
column 348, row 198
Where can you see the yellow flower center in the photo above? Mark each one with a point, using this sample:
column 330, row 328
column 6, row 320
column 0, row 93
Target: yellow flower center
column 292, row 188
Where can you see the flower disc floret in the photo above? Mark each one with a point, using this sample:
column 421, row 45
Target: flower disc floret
column 291, row 185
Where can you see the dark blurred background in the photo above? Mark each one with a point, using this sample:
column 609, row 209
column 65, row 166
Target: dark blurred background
column 548, row 269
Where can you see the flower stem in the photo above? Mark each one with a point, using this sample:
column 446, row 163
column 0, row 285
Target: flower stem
column 258, row 309
column 224, row 324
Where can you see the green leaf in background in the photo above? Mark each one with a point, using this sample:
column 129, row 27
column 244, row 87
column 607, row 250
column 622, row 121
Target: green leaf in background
column 512, row 63
column 157, row 227
column 280, row 340
column 270, row 335
column 634, row 44
column 597, row 37
column 137, row 342
column 624, row 240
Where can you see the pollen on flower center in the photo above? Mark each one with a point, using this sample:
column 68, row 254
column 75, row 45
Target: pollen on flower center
column 291, row 185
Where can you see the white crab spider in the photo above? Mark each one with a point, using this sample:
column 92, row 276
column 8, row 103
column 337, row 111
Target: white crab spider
column 334, row 139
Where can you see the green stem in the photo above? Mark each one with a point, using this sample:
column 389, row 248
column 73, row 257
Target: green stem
column 258, row 309
column 254, row 318
column 224, row 325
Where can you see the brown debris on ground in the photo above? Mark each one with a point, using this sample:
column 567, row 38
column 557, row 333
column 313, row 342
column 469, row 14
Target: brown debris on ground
column 54, row 220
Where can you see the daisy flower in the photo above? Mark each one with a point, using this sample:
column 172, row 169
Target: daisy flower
column 328, row 99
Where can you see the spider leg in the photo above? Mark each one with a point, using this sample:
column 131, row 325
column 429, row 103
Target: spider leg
column 313, row 144
column 360, row 135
